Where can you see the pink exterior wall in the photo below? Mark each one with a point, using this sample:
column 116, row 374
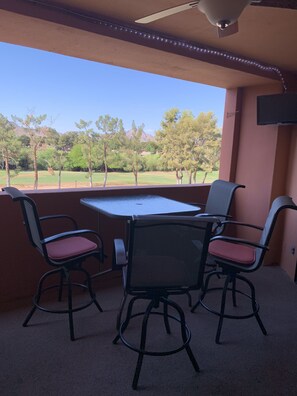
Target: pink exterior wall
column 266, row 157
column 288, row 260
column 231, row 134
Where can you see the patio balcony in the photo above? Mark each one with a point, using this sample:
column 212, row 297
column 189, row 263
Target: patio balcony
column 264, row 158
column 41, row 359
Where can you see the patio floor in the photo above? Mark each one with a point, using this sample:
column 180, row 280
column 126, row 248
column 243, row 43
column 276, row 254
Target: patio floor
column 41, row 360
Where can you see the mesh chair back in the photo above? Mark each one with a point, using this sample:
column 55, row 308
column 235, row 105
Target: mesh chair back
column 32, row 222
column 30, row 215
column 219, row 200
column 282, row 202
column 167, row 252
column 220, row 197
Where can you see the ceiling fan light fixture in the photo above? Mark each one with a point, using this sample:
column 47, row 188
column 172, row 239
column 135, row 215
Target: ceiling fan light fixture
column 223, row 24
column 222, row 13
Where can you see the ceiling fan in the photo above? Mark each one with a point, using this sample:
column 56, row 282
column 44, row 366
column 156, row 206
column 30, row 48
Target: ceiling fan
column 221, row 13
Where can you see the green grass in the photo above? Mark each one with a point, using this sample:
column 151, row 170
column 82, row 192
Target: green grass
column 80, row 179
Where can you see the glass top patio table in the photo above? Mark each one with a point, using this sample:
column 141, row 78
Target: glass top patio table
column 127, row 206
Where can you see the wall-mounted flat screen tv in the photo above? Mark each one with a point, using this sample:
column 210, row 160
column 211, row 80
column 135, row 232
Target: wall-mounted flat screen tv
column 280, row 109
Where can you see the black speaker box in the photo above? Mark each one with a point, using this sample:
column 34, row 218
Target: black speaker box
column 278, row 109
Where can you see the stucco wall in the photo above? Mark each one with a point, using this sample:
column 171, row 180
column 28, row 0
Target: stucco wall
column 266, row 162
column 288, row 259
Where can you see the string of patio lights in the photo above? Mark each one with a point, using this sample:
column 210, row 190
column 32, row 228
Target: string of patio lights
column 169, row 41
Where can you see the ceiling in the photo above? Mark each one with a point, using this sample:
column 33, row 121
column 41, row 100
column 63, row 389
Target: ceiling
column 183, row 46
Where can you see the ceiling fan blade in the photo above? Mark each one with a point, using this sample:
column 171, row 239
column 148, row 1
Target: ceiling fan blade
column 228, row 31
column 290, row 4
column 169, row 11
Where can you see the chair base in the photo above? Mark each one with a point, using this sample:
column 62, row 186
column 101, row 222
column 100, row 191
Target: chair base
column 64, row 274
column 230, row 278
column 141, row 349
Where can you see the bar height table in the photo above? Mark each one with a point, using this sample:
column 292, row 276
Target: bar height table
column 125, row 207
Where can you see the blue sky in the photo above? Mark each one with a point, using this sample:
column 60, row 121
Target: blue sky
column 69, row 89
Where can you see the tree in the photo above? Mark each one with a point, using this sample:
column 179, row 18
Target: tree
column 33, row 127
column 208, row 143
column 133, row 149
column 69, row 139
column 170, row 141
column 150, row 146
column 152, row 162
column 88, row 140
column 211, row 158
column 75, row 159
column 24, row 159
column 187, row 132
column 59, row 147
column 111, row 133
column 189, row 144
column 9, row 146
column 54, row 158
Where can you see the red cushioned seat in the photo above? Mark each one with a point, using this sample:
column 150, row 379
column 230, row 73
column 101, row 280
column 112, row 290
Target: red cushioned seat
column 69, row 247
column 240, row 254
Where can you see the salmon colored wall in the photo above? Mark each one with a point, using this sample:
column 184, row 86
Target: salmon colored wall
column 255, row 164
column 231, row 133
column 22, row 266
column 263, row 162
column 288, row 259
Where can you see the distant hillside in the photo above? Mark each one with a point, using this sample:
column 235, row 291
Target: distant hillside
column 146, row 137
column 19, row 131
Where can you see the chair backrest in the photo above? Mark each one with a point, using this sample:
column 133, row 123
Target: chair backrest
column 220, row 197
column 279, row 203
column 219, row 200
column 167, row 253
column 30, row 215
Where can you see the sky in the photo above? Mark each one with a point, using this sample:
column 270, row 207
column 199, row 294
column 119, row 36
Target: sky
column 69, row 89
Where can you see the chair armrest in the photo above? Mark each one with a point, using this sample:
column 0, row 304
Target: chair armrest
column 218, row 223
column 218, row 215
column 119, row 254
column 238, row 223
column 69, row 234
column 239, row 241
column 60, row 216
column 200, row 204
column 213, row 215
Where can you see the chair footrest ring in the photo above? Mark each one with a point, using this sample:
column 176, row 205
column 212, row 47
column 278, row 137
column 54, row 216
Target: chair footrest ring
column 229, row 316
column 63, row 311
column 155, row 353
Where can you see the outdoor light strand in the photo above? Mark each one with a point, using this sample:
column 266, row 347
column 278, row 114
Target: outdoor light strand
column 169, row 41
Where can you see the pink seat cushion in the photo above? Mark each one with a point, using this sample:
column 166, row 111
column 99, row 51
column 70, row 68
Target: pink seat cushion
column 69, row 247
column 240, row 254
